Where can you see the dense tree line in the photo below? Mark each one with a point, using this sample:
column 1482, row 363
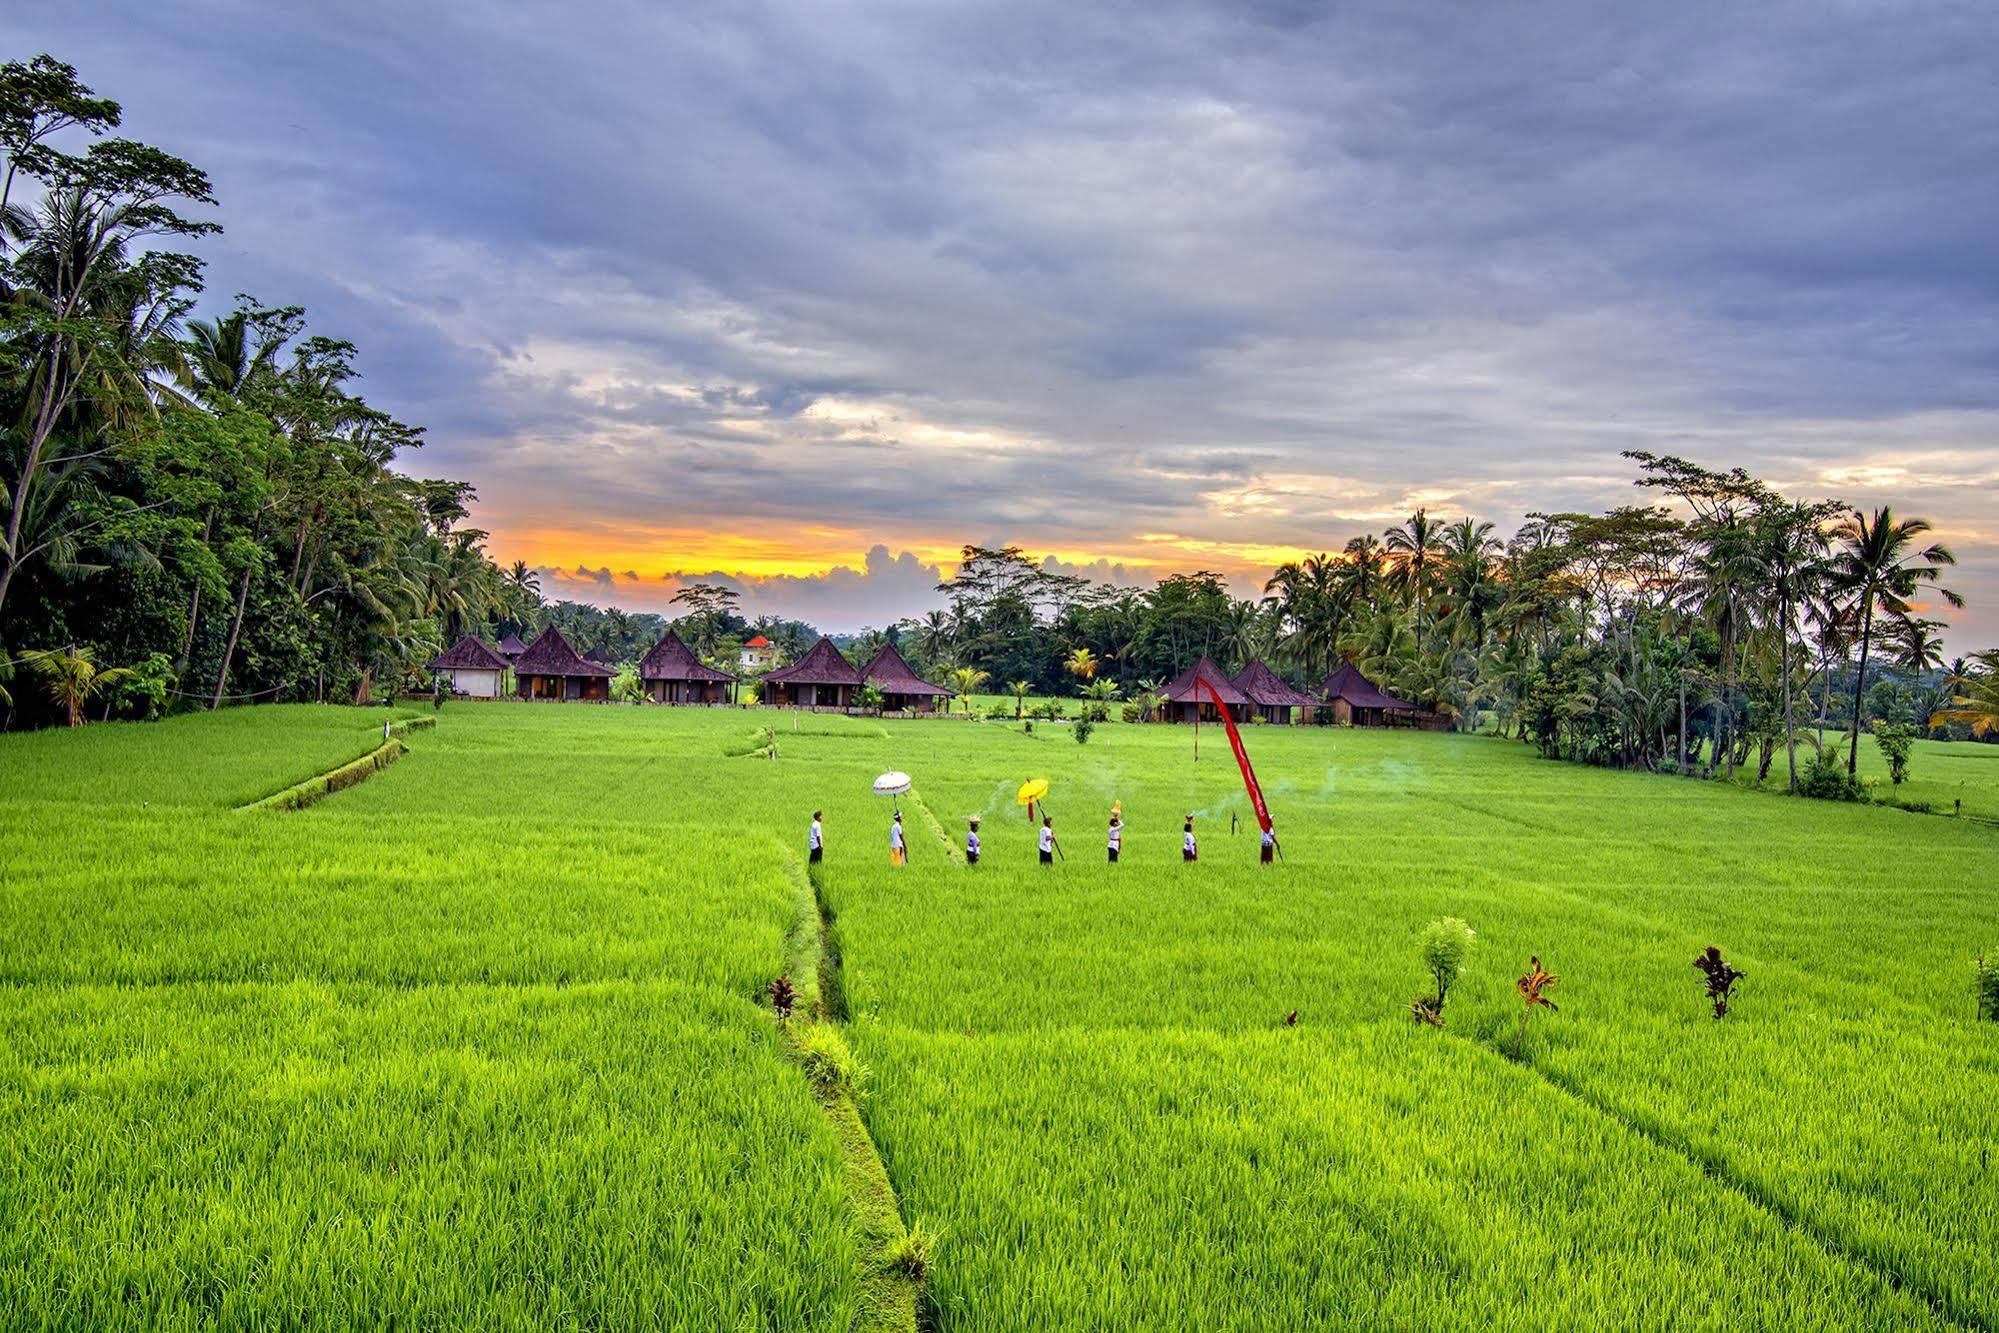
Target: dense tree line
column 1717, row 633
column 202, row 508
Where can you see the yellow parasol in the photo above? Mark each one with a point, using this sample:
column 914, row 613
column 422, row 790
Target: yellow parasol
column 1031, row 791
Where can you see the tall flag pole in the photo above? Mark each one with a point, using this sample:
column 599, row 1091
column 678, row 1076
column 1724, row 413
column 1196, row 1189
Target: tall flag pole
column 1241, row 755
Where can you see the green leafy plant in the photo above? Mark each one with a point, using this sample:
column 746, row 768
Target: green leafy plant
column 1721, row 979
column 830, row 1063
column 1084, row 726
column 911, row 1254
column 869, row 696
column 71, row 680
column 1894, row 741
column 1446, row 946
column 1826, row 779
column 1986, row 988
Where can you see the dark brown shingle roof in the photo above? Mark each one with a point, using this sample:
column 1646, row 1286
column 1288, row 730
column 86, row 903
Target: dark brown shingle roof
column 671, row 659
column 1347, row 683
column 823, row 665
column 470, row 654
column 1270, row 690
column 1182, row 690
column 511, row 647
column 893, row 676
column 551, row 655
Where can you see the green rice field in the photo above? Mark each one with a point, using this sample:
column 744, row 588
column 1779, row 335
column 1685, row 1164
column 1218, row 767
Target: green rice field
column 486, row 1040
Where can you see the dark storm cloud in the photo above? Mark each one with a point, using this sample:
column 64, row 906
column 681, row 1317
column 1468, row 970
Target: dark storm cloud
column 1246, row 276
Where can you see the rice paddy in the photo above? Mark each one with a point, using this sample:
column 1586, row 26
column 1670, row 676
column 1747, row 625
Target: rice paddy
column 486, row 1039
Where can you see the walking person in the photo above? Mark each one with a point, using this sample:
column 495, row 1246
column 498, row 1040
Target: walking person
column 1116, row 836
column 1047, row 841
column 1189, row 849
column 815, row 842
column 972, row 842
column 1269, row 853
column 897, row 853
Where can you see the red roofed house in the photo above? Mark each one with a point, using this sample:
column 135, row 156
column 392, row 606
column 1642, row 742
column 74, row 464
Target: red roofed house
column 820, row 679
column 1355, row 701
column 550, row 669
column 672, row 674
column 903, row 691
column 756, row 655
column 1268, row 693
column 1186, row 700
column 470, row 668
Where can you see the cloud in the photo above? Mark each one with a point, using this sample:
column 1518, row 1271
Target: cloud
column 772, row 288
column 885, row 588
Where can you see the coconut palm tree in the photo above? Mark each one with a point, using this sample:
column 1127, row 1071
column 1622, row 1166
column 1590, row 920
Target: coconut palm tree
column 1879, row 569
column 72, row 679
column 1081, row 663
column 966, row 681
column 1974, row 698
column 1019, row 690
column 1415, row 549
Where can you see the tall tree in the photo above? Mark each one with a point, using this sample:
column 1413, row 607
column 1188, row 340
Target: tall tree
column 1879, row 569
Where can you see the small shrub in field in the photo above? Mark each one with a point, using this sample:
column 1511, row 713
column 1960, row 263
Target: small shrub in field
column 1001, row 711
column 830, row 1063
column 1083, row 728
column 782, row 997
column 1826, row 779
column 1133, row 711
column 1721, row 979
column 1048, row 710
column 912, row 1254
column 1533, row 988
column 1894, row 741
column 1446, row 945
column 1986, row 980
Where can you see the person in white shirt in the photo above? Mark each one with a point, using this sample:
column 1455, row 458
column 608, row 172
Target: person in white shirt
column 815, row 842
column 1189, row 849
column 897, row 854
column 1047, row 841
column 1269, row 846
column 1116, row 837
column 972, row 842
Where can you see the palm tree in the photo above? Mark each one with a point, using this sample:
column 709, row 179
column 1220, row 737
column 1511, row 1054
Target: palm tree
column 1081, row 663
column 966, row 681
column 1414, row 547
column 1975, row 699
column 933, row 636
column 1879, row 569
column 1019, row 691
column 72, row 679
column 1363, row 571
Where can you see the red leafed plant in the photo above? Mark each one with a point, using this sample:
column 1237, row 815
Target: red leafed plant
column 1721, row 979
column 782, row 998
column 1534, row 992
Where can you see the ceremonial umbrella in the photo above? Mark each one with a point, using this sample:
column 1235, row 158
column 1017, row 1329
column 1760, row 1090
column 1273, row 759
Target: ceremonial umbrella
column 1031, row 791
column 892, row 784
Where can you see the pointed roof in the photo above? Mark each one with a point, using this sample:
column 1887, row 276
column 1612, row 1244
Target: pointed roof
column 511, row 647
column 1347, row 683
column 599, row 656
column 469, row 653
column 1270, row 690
column 671, row 659
column 888, row 671
column 823, row 665
column 551, row 655
column 758, row 642
column 1181, row 689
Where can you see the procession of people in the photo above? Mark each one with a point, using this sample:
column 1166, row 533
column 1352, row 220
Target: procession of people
column 1048, row 848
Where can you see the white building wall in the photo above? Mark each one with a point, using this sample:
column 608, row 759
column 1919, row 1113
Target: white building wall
column 476, row 683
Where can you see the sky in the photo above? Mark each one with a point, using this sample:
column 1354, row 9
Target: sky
column 805, row 297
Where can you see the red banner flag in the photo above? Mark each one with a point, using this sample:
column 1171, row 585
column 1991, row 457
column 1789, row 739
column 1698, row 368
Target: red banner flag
column 1241, row 755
